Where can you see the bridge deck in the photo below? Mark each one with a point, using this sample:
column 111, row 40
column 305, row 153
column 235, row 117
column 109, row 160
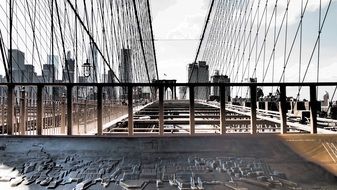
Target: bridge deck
column 176, row 115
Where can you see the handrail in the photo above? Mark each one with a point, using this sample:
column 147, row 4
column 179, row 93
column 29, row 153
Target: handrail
column 253, row 110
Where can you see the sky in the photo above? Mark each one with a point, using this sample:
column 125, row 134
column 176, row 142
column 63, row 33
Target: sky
column 182, row 20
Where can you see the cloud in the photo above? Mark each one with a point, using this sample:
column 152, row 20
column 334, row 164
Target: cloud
column 183, row 18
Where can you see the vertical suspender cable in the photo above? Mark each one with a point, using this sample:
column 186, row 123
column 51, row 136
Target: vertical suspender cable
column 141, row 40
column 285, row 43
column 152, row 39
column 319, row 40
column 273, row 66
column 10, row 66
column 62, row 40
column 300, row 51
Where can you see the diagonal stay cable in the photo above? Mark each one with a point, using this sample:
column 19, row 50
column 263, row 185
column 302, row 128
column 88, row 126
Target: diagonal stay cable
column 202, row 38
column 314, row 48
column 91, row 38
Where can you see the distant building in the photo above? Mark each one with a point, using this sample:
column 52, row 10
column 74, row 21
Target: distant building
column 125, row 71
column 3, row 91
column 18, row 65
column 326, row 99
column 125, row 67
column 69, row 69
column 48, row 70
column 251, row 80
column 215, row 91
column 93, row 60
column 29, row 72
column 110, row 91
column 182, row 92
column 199, row 73
column 54, row 60
column 48, row 77
column 18, row 59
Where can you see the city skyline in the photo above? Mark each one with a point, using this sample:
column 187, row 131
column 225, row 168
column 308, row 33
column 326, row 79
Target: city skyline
column 176, row 39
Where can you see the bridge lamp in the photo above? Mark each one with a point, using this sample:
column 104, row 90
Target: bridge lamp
column 86, row 68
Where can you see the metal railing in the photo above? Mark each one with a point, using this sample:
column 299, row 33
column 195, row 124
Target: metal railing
column 10, row 128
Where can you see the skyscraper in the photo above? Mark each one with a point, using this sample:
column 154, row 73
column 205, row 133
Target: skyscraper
column 29, row 70
column 199, row 73
column 215, row 91
column 125, row 71
column 125, row 67
column 69, row 69
column 18, row 65
column 54, row 60
column 93, row 60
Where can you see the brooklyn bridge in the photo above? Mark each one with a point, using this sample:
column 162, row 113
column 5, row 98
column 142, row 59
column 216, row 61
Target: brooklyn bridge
column 85, row 103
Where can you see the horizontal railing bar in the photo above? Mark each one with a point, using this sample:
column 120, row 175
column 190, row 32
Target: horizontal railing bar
column 288, row 84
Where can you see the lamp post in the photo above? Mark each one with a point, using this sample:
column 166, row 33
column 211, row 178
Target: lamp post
column 86, row 69
column 86, row 73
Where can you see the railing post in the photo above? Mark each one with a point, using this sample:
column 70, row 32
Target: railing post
column 63, row 113
column 313, row 110
column 23, row 111
column 253, row 108
column 161, row 110
column 192, row 116
column 39, row 114
column 222, row 109
column 283, row 109
column 85, row 115
column 99, row 110
column 10, row 109
column 69, row 110
column 2, row 111
column 130, row 111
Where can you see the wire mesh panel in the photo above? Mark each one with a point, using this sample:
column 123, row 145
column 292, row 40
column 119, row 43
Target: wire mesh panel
column 30, row 109
column 115, row 110
column 3, row 110
column 53, row 116
column 84, row 108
